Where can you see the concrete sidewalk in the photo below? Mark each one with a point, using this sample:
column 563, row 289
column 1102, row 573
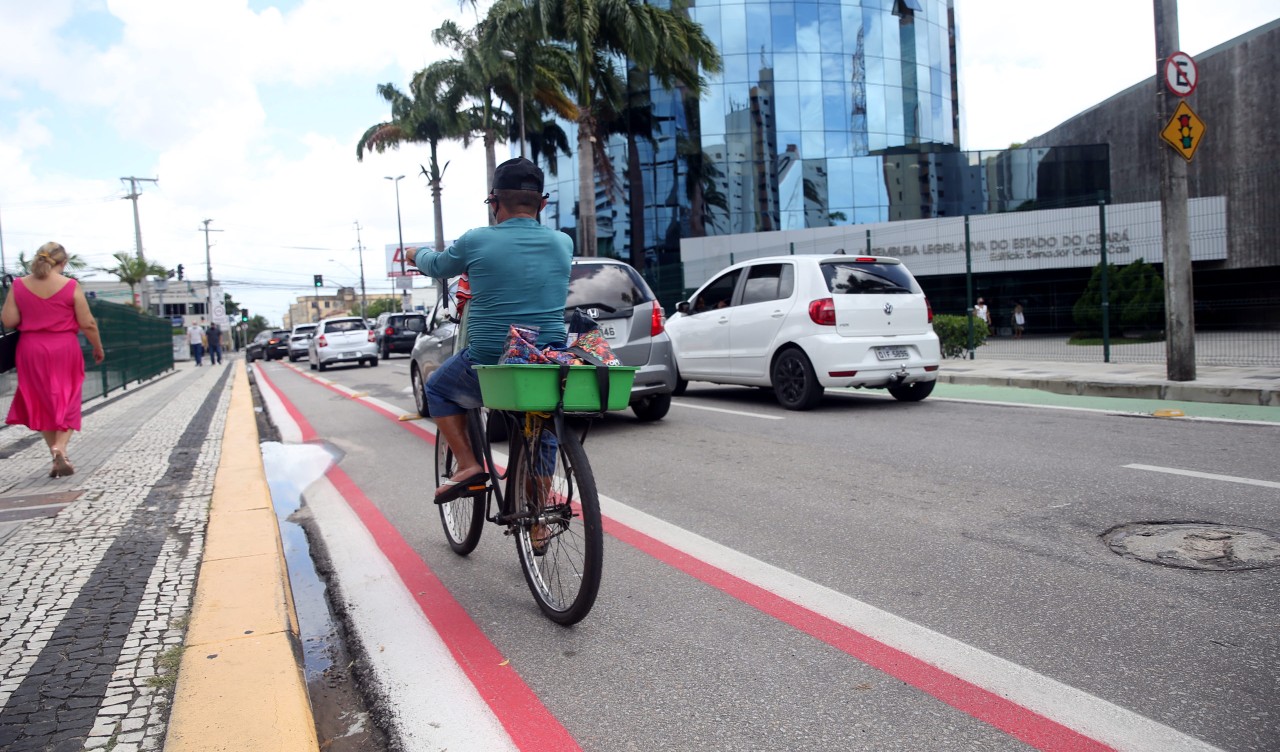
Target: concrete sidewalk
column 112, row 578
column 1247, row 385
column 144, row 603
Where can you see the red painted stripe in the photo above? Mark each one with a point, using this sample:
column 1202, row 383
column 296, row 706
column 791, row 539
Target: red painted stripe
column 529, row 723
column 1013, row 719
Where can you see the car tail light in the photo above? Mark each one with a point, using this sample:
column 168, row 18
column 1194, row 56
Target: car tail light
column 823, row 312
column 928, row 309
column 320, row 341
column 389, row 332
column 373, row 338
column 866, row 259
column 659, row 320
column 842, row 374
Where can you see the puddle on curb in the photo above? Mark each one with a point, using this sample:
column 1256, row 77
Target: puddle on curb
column 343, row 721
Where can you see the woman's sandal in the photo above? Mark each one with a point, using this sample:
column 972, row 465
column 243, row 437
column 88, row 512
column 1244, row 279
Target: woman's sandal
column 61, row 466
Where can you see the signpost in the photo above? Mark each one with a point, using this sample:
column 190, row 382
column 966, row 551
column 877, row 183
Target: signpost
column 1184, row 131
column 1180, row 74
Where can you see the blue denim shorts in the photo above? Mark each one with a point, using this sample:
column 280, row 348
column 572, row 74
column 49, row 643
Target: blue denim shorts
column 454, row 387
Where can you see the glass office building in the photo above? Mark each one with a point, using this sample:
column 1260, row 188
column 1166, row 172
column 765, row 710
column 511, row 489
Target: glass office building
column 823, row 115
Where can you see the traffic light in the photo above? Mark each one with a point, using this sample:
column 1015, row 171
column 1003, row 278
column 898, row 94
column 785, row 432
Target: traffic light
column 319, row 280
column 179, row 271
column 244, row 316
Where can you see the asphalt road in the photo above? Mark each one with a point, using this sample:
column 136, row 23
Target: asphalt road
column 964, row 535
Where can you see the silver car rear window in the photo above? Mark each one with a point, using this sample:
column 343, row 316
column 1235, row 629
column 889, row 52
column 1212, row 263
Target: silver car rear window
column 615, row 285
column 867, row 278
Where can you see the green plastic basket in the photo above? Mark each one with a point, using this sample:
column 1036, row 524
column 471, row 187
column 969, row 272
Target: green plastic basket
column 527, row 387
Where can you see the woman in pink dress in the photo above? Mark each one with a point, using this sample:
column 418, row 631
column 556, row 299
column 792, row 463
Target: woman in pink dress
column 49, row 309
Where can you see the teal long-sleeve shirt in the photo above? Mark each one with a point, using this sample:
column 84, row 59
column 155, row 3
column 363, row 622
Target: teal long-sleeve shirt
column 519, row 274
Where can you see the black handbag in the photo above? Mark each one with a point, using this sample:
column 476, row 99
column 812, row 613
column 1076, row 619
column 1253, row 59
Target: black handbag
column 8, row 350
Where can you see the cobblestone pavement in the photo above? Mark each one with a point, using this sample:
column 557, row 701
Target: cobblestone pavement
column 93, row 601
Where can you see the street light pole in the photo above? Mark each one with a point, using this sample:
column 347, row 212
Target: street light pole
column 360, row 249
column 404, row 274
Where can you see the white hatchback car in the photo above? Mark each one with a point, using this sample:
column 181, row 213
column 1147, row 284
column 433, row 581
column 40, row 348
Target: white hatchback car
column 800, row 324
column 342, row 339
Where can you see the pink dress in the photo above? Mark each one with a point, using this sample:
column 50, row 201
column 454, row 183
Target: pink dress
column 50, row 362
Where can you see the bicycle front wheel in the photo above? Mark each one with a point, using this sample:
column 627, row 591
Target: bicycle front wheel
column 462, row 519
column 560, row 543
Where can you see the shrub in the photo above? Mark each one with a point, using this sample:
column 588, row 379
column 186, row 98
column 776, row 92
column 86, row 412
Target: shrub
column 953, row 334
column 1136, row 294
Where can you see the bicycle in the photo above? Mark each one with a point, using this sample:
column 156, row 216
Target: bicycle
column 549, row 504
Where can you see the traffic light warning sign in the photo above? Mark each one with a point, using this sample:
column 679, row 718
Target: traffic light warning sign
column 1184, row 131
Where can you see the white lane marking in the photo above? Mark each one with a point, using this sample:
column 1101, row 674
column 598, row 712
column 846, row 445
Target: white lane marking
column 682, row 403
column 1206, row 476
column 410, row 663
column 1090, row 715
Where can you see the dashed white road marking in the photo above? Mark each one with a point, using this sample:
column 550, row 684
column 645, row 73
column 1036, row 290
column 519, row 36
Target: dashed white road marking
column 1206, row 476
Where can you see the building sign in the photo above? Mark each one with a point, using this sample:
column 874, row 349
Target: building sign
column 1184, row 131
column 1008, row 242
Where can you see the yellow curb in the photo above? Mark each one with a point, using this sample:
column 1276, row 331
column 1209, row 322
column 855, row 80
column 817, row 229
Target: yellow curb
column 240, row 683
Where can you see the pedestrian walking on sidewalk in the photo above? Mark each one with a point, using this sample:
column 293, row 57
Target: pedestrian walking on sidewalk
column 195, row 338
column 49, row 310
column 214, row 335
column 1019, row 321
column 981, row 313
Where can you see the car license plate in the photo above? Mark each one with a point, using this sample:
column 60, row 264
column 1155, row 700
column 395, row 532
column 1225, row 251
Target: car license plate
column 352, row 355
column 892, row 353
column 609, row 332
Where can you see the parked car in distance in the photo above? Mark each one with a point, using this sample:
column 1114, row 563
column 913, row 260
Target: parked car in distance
column 269, row 344
column 396, row 332
column 299, row 341
column 801, row 324
column 341, row 339
column 617, row 298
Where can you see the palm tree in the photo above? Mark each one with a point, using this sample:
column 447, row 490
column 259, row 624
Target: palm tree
column 600, row 33
column 132, row 270
column 418, row 117
column 74, row 262
column 500, row 57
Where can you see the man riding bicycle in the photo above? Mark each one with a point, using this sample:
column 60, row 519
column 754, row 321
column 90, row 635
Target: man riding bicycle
column 519, row 274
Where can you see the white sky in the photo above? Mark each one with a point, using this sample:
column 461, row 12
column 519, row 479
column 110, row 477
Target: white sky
column 248, row 113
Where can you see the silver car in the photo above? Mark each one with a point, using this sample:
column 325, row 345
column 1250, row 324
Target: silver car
column 611, row 293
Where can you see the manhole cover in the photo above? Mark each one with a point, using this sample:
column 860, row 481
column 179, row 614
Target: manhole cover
column 1196, row 545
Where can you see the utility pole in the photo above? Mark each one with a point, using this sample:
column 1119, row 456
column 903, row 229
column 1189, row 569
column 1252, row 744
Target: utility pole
column 1179, row 304
column 137, row 231
column 3, row 266
column 360, row 249
column 208, row 271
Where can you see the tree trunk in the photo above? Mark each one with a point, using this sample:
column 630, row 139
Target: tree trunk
column 490, row 162
column 437, row 208
column 586, row 185
column 635, row 184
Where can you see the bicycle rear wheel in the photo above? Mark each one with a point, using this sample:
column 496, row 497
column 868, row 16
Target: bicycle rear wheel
column 561, row 546
column 462, row 519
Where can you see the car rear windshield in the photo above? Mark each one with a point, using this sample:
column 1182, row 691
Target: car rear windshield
column 347, row 325
column 867, row 278
column 617, row 286
column 411, row 323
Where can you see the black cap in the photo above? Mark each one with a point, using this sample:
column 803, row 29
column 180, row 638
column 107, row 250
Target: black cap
column 518, row 174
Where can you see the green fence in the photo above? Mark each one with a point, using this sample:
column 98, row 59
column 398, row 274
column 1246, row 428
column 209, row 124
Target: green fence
column 138, row 347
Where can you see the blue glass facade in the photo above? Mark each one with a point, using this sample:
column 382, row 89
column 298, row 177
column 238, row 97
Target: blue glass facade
column 805, row 126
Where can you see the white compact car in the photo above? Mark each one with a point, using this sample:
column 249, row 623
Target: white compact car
column 800, row 324
column 299, row 340
column 342, row 339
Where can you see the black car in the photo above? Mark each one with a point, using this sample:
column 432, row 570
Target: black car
column 396, row 332
column 270, row 344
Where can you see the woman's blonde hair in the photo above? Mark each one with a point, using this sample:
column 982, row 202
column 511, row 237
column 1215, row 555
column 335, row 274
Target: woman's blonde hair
column 50, row 255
